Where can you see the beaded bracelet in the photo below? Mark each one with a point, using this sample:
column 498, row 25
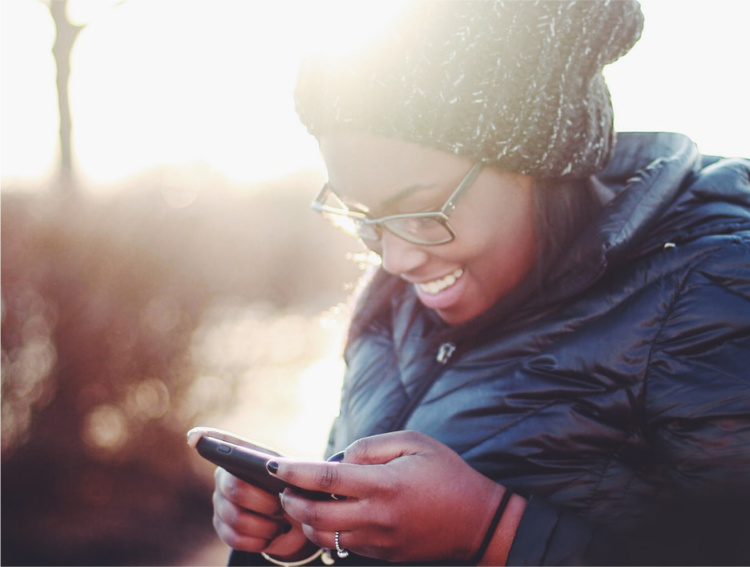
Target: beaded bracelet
column 310, row 559
column 493, row 526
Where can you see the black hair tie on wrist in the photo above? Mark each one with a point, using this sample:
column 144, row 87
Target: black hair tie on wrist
column 493, row 526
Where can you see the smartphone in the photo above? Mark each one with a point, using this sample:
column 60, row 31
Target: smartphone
column 243, row 458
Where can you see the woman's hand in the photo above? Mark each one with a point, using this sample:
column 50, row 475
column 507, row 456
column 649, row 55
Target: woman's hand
column 417, row 500
column 247, row 518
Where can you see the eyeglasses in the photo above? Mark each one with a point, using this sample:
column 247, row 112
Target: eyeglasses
column 425, row 229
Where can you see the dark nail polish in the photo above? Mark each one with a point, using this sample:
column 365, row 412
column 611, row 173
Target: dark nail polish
column 336, row 457
column 272, row 467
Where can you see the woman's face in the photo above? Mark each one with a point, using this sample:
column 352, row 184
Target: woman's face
column 495, row 243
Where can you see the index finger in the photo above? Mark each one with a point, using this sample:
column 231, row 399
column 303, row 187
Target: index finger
column 340, row 479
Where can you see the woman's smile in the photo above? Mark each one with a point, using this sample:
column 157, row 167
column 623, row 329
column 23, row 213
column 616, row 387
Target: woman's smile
column 443, row 294
column 436, row 286
column 494, row 247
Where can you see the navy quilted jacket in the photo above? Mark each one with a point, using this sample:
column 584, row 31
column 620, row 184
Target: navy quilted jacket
column 618, row 401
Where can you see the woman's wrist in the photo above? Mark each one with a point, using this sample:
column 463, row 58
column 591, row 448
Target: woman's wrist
column 490, row 532
column 501, row 538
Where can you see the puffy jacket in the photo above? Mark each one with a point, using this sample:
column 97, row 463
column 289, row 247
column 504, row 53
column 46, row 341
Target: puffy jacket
column 618, row 401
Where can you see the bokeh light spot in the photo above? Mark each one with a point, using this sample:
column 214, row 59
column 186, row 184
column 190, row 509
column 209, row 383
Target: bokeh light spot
column 105, row 427
column 149, row 399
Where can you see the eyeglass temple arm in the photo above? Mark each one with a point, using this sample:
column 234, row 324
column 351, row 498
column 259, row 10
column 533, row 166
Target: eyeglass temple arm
column 450, row 204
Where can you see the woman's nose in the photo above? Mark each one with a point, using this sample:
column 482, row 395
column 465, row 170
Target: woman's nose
column 399, row 256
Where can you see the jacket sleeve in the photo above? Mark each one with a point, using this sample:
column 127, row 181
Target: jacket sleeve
column 697, row 420
column 548, row 535
column 698, row 409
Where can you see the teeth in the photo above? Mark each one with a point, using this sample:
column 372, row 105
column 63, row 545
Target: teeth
column 436, row 286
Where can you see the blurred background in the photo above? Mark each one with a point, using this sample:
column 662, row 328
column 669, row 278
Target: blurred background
column 161, row 268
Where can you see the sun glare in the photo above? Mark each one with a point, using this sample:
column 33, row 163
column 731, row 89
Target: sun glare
column 219, row 91
column 186, row 83
column 339, row 26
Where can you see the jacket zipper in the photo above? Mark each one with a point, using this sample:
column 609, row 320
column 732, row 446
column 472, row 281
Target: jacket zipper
column 444, row 353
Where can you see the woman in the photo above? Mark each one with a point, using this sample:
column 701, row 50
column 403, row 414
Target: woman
column 550, row 365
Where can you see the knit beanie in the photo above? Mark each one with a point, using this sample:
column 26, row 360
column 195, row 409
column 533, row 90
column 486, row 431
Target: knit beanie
column 517, row 83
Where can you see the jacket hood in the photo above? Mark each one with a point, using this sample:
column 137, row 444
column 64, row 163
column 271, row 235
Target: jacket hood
column 665, row 193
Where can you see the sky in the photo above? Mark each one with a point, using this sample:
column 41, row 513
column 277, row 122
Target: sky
column 208, row 83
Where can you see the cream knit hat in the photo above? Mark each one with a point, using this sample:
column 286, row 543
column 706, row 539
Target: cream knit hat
column 517, row 83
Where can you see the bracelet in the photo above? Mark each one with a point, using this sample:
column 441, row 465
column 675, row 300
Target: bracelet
column 493, row 526
column 310, row 559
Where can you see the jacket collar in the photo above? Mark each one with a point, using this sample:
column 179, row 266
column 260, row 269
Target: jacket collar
column 646, row 174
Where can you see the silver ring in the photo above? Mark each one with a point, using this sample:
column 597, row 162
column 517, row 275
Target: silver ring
column 340, row 551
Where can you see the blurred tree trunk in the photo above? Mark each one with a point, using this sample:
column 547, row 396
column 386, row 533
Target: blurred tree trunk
column 65, row 39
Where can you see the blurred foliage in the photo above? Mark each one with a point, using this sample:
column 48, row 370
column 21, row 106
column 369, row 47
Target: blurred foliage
column 101, row 298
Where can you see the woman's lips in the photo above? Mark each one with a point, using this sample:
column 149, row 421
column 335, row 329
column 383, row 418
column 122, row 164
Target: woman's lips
column 436, row 286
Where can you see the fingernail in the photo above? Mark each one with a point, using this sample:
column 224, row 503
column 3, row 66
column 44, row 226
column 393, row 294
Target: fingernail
column 336, row 457
column 272, row 467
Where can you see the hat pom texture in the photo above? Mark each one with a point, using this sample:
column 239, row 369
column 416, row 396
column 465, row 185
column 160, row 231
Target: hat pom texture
column 517, row 84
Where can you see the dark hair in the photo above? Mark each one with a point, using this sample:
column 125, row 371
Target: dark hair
column 562, row 208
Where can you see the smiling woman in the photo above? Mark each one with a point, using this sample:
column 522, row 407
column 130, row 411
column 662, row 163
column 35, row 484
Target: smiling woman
column 175, row 83
column 532, row 385
column 542, row 357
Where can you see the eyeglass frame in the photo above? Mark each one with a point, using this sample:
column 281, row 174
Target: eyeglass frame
column 442, row 216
